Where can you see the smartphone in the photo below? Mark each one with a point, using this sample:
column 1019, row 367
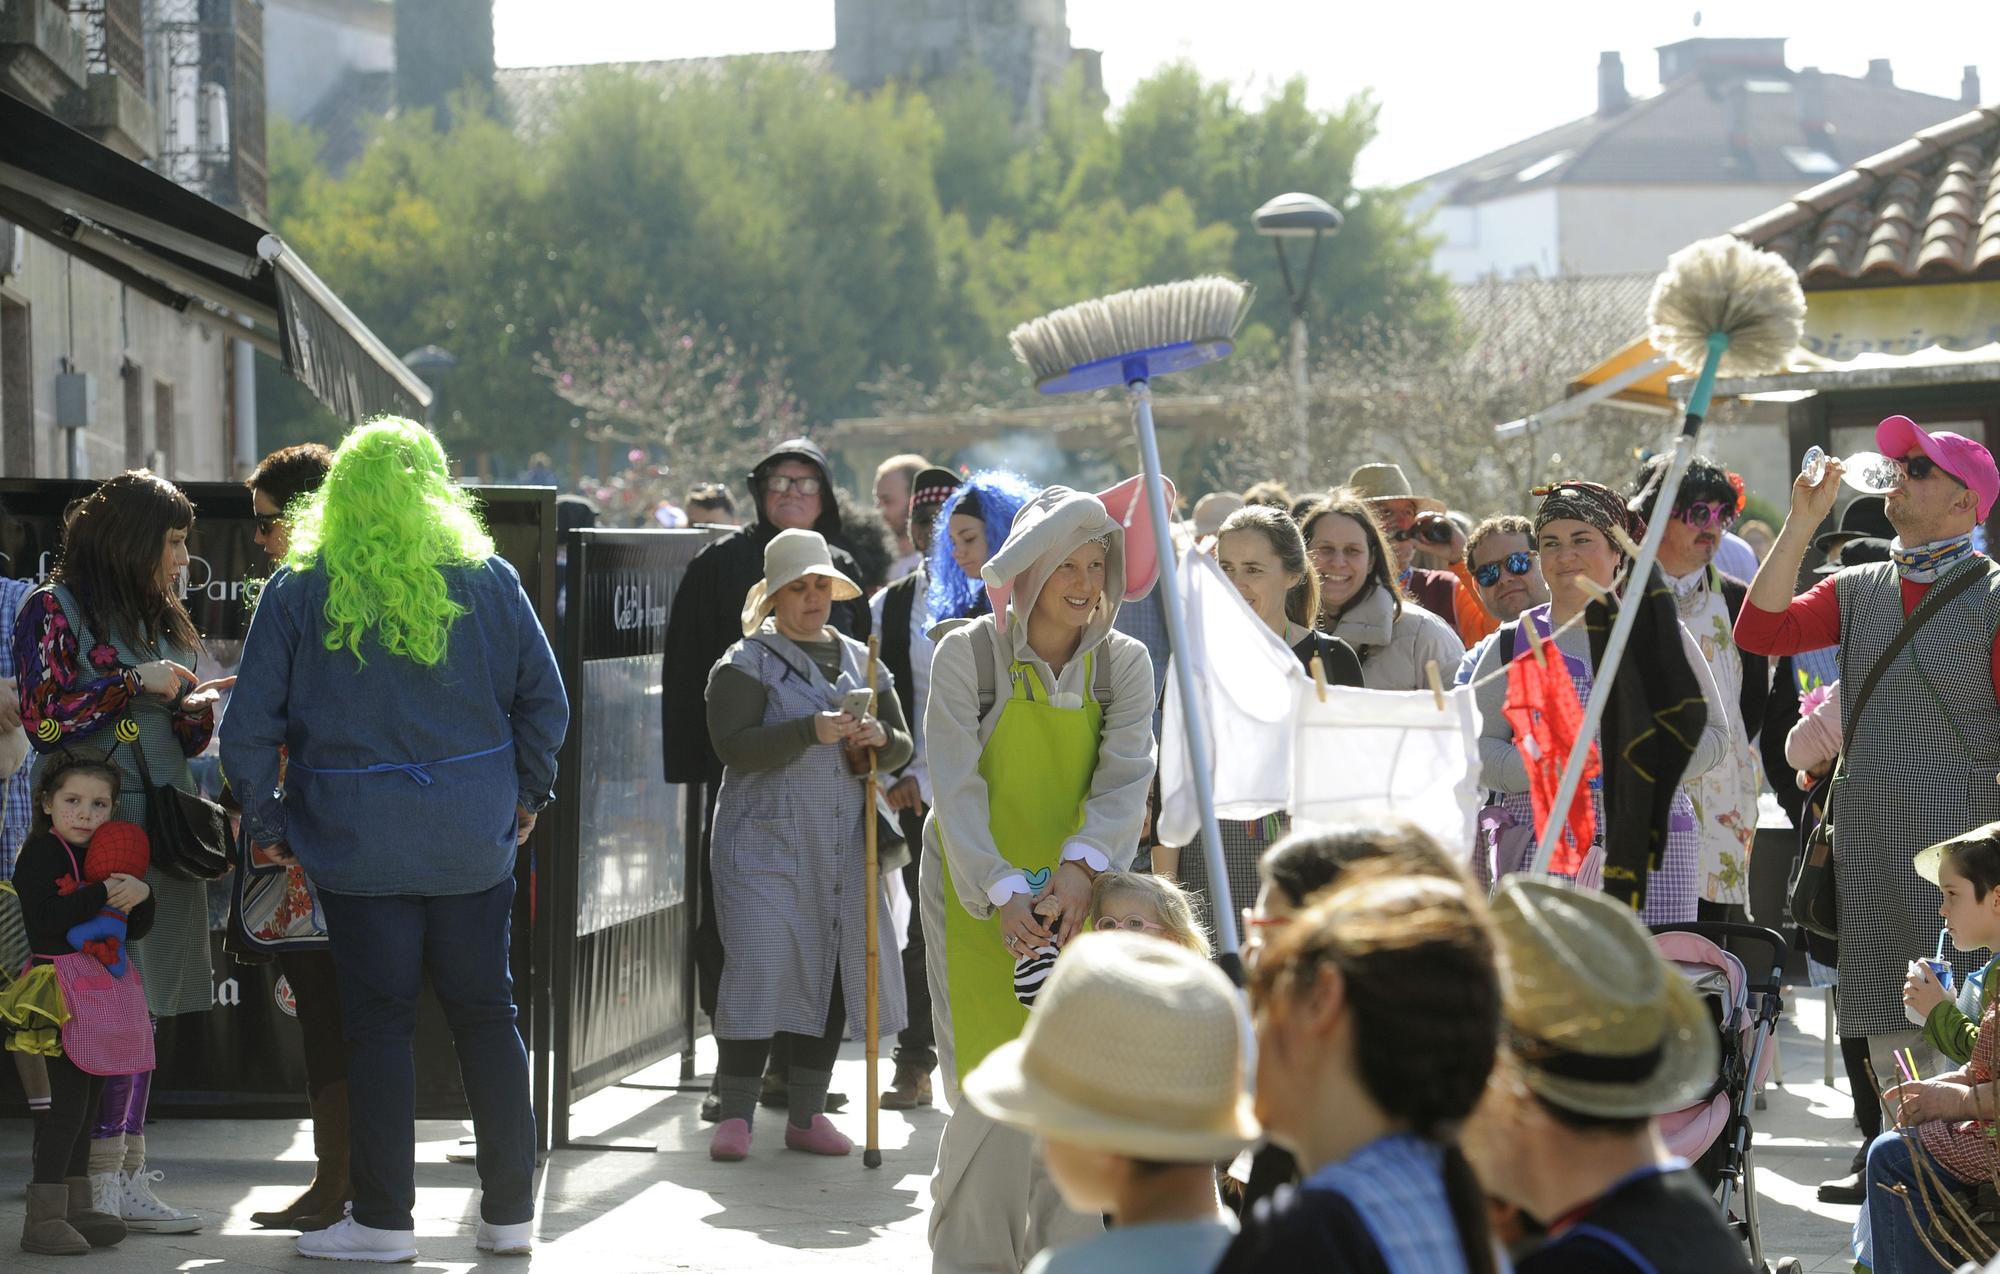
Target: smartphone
column 856, row 703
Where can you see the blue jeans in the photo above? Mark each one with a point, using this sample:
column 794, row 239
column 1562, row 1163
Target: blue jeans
column 383, row 946
column 1892, row 1242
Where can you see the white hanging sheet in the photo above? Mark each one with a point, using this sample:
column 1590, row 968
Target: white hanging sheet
column 1250, row 683
column 1367, row 752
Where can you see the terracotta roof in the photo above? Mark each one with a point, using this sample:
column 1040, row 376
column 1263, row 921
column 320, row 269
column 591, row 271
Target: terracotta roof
column 1740, row 128
column 1927, row 207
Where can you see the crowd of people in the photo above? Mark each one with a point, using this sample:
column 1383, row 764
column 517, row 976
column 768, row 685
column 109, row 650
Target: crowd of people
column 1447, row 1063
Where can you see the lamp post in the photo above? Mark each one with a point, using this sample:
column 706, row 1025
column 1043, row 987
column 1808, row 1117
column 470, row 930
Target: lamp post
column 1298, row 216
column 431, row 363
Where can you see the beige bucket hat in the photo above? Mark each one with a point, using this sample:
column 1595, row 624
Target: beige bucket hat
column 1375, row 483
column 1928, row 861
column 1135, row 1047
column 789, row 556
column 1601, row 1023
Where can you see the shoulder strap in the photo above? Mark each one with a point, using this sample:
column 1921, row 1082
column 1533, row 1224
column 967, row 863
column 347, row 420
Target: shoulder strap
column 1935, row 600
column 986, row 650
column 1100, row 677
column 1510, row 635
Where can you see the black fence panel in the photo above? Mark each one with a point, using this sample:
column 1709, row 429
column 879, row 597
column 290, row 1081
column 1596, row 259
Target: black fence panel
column 243, row 1055
column 622, row 982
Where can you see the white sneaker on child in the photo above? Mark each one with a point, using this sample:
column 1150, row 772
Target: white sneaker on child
column 349, row 1240
column 142, row 1210
column 107, row 1194
column 506, row 1240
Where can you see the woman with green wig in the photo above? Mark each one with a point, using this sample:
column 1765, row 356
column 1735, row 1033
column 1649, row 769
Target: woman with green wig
column 401, row 667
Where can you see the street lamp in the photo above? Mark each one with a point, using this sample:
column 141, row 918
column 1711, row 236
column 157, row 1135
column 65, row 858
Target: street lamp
column 1298, row 216
column 431, row 363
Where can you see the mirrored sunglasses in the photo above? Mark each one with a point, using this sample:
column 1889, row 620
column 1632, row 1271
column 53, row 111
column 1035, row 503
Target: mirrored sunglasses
column 779, row 483
column 1516, row 564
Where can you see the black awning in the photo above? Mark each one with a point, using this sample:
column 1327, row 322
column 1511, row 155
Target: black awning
column 175, row 247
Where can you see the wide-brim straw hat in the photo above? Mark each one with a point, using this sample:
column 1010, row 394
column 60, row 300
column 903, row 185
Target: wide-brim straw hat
column 1135, row 1047
column 1928, row 861
column 792, row 555
column 1601, row 1023
column 1376, row 483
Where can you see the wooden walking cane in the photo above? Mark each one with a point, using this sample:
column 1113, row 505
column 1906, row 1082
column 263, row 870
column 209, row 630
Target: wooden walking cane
column 871, row 1156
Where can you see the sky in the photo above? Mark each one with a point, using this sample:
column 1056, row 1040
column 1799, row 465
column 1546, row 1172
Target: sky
column 1454, row 78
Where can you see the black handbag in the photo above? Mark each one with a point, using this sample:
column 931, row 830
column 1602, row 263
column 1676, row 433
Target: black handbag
column 189, row 832
column 1814, row 893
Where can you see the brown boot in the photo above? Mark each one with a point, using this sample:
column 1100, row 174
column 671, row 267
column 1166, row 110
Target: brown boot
column 329, row 1185
column 910, row 1089
column 47, row 1230
column 99, row 1229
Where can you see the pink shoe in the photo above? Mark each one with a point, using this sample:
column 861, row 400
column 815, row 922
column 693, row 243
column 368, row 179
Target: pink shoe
column 821, row 1138
column 731, row 1143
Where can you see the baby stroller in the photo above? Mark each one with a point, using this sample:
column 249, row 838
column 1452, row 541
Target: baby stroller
column 1738, row 970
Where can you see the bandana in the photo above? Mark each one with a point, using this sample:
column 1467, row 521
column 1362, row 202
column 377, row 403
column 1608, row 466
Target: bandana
column 1926, row 562
column 1587, row 502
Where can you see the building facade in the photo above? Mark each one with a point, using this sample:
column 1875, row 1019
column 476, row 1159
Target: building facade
column 96, row 377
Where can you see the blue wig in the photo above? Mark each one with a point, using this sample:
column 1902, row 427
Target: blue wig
column 1000, row 496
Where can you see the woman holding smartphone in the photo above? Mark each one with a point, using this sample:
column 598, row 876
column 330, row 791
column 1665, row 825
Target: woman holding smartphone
column 788, row 716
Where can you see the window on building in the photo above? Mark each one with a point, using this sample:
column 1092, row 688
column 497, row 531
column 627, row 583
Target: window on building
column 17, row 392
column 163, row 429
column 135, row 414
column 1811, row 160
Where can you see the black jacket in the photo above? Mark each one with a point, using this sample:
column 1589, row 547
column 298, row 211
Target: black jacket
column 708, row 612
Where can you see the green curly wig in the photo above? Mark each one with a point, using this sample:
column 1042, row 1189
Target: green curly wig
column 385, row 520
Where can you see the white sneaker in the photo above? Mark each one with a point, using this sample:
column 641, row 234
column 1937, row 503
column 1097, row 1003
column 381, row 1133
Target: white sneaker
column 349, row 1240
column 506, row 1240
column 142, row 1210
column 107, row 1193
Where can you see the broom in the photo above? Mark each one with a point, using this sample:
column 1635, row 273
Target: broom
column 1125, row 340
column 1721, row 305
column 871, row 1154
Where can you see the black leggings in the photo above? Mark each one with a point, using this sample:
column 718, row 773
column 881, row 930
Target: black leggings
column 63, row 1148
column 316, row 995
column 745, row 1058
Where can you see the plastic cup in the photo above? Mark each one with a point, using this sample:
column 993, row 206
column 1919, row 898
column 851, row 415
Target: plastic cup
column 1941, row 971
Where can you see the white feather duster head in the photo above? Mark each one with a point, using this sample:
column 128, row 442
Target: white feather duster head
column 1725, row 285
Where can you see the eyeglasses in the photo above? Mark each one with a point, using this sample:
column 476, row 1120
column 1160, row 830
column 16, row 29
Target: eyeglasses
column 1921, row 466
column 1516, row 563
column 267, row 522
column 1717, row 513
column 779, row 483
column 1131, row 924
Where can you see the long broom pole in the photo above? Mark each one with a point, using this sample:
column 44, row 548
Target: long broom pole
column 871, row 1155
column 1628, row 610
column 1222, row 906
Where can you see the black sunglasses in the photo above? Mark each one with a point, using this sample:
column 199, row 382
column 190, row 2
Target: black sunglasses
column 1518, row 563
column 267, row 522
column 1921, row 466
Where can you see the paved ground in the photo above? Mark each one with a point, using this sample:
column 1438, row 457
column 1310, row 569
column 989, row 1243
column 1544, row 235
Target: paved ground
column 617, row 1212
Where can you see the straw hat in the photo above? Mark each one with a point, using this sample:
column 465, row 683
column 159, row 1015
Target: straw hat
column 1929, row 860
column 1376, row 483
column 1135, row 1047
column 1601, row 1023
column 789, row 556
column 1213, row 509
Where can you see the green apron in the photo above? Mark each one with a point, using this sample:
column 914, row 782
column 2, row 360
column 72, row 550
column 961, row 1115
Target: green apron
column 1038, row 764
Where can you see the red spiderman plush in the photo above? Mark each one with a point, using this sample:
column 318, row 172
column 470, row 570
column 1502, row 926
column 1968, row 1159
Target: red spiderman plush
column 115, row 848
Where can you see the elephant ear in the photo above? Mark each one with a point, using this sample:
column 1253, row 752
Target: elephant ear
column 1128, row 507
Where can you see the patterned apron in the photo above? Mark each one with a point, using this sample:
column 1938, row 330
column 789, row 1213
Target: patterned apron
column 1510, row 834
column 1725, row 798
column 1038, row 764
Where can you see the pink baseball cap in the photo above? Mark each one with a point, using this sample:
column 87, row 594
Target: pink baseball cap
column 1956, row 454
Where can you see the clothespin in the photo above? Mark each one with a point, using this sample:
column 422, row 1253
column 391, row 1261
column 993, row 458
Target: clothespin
column 1319, row 678
column 1437, row 682
column 1624, row 542
column 1594, row 588
column 1535, row 645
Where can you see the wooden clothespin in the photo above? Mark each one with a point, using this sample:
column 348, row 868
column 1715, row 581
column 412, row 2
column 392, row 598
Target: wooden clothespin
column 1535, row 645
column 1437, row 682
column 1319, row 678
column 1594, row 588
column 1624, row 542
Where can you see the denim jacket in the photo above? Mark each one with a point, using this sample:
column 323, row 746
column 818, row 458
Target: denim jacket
column 401, row 779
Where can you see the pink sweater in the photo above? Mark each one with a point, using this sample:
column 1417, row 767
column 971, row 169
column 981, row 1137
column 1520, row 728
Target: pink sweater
column 1814, row 742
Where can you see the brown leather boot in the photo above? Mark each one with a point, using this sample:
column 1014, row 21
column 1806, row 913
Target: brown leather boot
column 99, row 1229
column 47, row 1230
column 910, row 1089
column 329, row 1184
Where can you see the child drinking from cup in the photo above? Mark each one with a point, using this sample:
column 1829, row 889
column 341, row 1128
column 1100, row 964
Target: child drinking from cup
column 1968, row 871
column 1131, row 901
column 74, row 796
column 1131, row 1074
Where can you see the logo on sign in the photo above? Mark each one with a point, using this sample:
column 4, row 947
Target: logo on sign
column 632, row 607
column 287, row 1002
